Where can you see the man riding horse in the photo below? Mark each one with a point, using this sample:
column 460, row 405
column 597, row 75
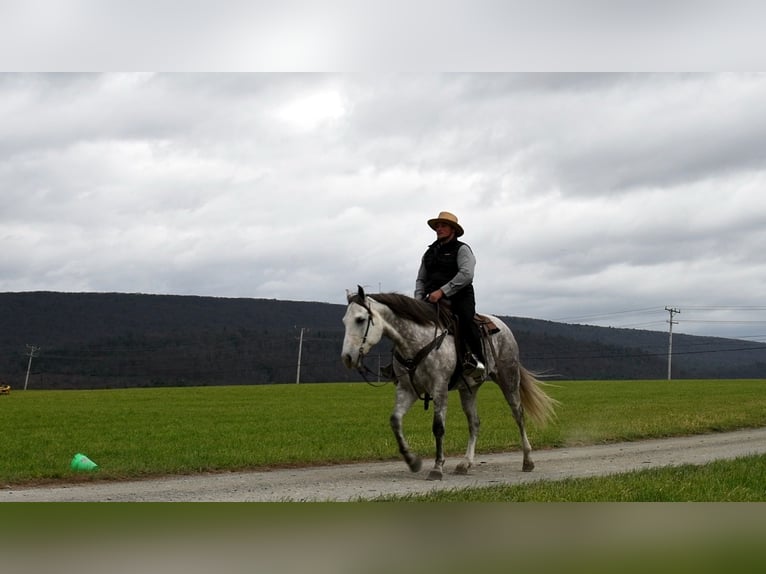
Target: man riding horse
column 446, row 275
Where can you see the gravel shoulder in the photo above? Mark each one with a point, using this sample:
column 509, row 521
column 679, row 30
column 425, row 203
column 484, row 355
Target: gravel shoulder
column 364, row 481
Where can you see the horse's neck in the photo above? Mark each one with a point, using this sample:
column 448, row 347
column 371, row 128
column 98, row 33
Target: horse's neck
column 406, row 335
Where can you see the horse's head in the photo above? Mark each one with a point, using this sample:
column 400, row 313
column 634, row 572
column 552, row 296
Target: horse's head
column 364, row 329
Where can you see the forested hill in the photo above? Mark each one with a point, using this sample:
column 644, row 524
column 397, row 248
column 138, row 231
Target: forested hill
column 105, row 340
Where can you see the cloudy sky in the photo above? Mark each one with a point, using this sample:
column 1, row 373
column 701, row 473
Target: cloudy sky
column 598, row 199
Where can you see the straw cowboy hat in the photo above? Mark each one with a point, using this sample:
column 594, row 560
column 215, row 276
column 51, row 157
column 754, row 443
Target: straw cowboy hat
column 449, row 219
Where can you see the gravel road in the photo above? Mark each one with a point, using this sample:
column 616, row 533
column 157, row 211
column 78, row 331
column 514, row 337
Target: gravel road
column 352, row 482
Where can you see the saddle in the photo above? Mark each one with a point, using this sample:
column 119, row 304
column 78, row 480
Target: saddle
column 485, row 324
column 486, row 328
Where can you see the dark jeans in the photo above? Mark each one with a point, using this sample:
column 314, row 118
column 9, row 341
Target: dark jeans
column 464, row 308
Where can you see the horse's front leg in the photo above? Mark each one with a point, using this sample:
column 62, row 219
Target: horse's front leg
column 440, row 415
column 404, row 400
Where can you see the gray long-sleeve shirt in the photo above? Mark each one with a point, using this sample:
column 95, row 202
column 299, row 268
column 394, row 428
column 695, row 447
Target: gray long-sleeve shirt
column 466, row 263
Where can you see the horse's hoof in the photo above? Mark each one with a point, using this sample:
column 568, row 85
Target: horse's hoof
column 528, row 466
column 462, row 469
column 435, row 475
column 415, row 464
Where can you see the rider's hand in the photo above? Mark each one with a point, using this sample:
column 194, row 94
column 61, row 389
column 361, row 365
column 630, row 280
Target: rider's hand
column 434, row 296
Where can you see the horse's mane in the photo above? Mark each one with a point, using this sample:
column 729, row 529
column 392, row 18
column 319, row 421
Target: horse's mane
column 417, row 311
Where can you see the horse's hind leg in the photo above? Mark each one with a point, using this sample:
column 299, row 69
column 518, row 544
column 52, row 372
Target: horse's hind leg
column 509, row 383
column 468, row 401
column 404, row 401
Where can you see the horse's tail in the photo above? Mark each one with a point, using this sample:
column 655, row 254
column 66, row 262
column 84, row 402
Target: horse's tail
column 537, row 404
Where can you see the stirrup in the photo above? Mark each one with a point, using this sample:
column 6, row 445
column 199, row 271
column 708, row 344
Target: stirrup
column 479, row 372
column 475, row 369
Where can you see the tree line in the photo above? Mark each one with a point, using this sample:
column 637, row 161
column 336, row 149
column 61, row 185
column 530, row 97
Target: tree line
column 92, row 340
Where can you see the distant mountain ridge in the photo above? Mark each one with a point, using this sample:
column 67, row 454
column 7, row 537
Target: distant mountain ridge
column 106, row 340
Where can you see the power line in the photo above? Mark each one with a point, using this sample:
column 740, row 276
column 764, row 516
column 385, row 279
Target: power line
column 729, row 322
column 726, row 308
column 634, row 325
column 639, row 353
column 611, row 314
column 650, row 310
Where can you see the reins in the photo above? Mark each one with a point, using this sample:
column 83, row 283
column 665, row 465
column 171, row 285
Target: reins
column 410, row 364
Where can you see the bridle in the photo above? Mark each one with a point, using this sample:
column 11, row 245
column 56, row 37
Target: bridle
column 370, row 323
column 361, row 368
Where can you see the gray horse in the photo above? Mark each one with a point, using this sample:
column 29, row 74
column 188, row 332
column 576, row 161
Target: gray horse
column 425, row 359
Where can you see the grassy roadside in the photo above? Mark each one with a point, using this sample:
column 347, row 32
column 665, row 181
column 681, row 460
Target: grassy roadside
column 148, row 432
column 738, row 480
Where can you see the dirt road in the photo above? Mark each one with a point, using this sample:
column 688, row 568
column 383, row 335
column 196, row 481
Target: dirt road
column 371, row 480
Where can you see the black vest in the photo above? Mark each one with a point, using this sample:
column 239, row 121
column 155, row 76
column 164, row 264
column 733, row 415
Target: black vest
column 440, row 260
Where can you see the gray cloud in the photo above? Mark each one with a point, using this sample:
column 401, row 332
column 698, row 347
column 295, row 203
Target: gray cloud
column 581, row 194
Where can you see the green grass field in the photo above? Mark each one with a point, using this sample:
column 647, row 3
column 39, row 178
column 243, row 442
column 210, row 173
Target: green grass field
column 134, row 433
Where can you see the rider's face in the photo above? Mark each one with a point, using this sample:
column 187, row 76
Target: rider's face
column 444, row 231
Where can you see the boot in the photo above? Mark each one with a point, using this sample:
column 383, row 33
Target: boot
column 474, row 368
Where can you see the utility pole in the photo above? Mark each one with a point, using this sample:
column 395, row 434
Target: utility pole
column 300, row 351
column 31, row 351
column 672, row 312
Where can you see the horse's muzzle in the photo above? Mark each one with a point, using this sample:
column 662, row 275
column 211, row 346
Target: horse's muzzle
column 348, row 361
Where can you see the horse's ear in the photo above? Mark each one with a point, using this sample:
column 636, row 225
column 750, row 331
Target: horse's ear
column 360, row 292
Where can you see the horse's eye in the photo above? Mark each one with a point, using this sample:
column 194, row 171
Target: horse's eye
column 360, row 320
